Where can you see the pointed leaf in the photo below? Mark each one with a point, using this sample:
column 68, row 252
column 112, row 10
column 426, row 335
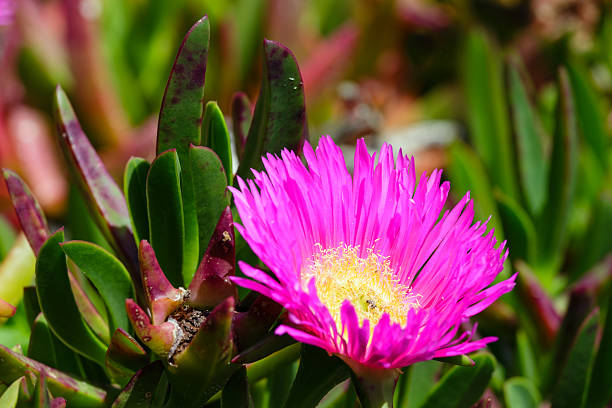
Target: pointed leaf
column 562, row 176
column 11, row 395
column 488, row 117
column 87, row 309
column 165, row 208
column 279, row 120
column 236, row 392
column 6, row 309
column 216, row 136
column 107, row 203
column 317, row 374
column 181, row 112
column 77, row 393
column 162, row 297
column 573, row 384
column 211, row 197
column 460, row 360
column 159, row 338
column 242, row 115
column 270, row 344
column 462, row 386
column 124, row 356
column 58, row 304
column 211, row 284
column 532, row 160
column 521, row 393
column 251, row 326
column 135, row 190
column 139, row 391
column 31, row 217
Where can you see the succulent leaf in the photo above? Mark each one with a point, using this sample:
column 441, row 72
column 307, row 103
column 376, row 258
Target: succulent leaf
column 279, row 120
column 31, row 217
column 251, row 326
column 135, row 190
column 216, row 136
column 108, row 275
column 77, row 393
column 6, row 309
column 125, row 354
column 159, row 338
column 10, row 396
column 162, row 297
column 211, row 197
column 58, row 304
column 211, row 284
column 108, row 205
column 139, row 391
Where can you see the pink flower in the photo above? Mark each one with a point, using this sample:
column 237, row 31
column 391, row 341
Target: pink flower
column 364, row 264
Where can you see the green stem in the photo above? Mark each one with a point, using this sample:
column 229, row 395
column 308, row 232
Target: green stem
column 375, row 387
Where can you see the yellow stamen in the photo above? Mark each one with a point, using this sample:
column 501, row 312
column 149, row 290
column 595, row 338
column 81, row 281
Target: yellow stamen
column 366, row 281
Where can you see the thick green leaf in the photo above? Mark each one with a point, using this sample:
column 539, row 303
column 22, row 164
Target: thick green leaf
column 77, row 393
column 414, row 385
column 279, row 120
column 531, row 158
column 58, row 304
column 139, row 391
column 600, row 389
column 30, row 303
column 107, row 204
column 135, row 190
column 487, row 113
column 31, row 217
column 526, row 358
column 521, row 393
column 317, row 374
column 181, row 112
column 572, row 388
column 589, row 114
column 165, row 208
column 462, row 386
column 236, row 392
column 124, row 356
column 518, row 227
column 11, row 395
column 108, row 275
column 562, row 176
column 211, row 197
column 216, row 136
column 7, row 236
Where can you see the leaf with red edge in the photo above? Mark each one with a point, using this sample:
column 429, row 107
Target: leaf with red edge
column 279, row 120
column 125, row 354
column 107, row 204
column 77, row 393
column 6, row 309
column 251, row 326
column 211, row 285
column 31, row 217
column 159, row 338
column 163, row 298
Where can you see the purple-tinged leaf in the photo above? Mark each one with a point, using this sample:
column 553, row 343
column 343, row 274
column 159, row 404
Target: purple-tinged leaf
column 279, row 120
column 107, row 204
column 139, row 391
column 159, row 338
column 88, row 310
column 251, row 326
column 211, row 285
column 58, row 304
column 236, row 391
column 77, row 393
column 58, row 402
column 6, row 309
column 242, row 114
column 30, row 215
column 204, row 364
column 181, row 112
column 162, row 297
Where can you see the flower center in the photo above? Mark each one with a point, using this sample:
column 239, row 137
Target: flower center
column 368, row 282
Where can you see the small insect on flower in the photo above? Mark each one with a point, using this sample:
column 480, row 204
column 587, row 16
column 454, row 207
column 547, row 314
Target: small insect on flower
column 364, row 264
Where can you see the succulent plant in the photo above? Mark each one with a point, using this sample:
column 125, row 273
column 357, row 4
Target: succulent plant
column 148, row 315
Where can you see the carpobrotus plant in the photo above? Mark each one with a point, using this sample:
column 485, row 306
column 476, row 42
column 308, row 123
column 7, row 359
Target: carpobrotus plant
column 150, row 314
